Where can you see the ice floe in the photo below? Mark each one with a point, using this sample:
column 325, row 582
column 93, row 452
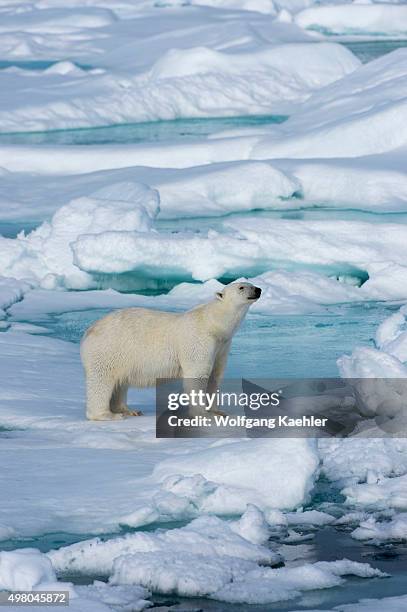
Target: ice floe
column 367, row 362
column 28, row 569
column 384, row 395
column 6, row 532
column 263, row 586
column 24, row 569
column 222, row 577
column 186, row 493
column 234, row 465
column 381, row 531
column 371, row 182
column 334, row 123
column 203, row 537
column 390, row 351
column 100, row 597
column 391, row 335
column 252, row 525
column 362, row 114
column 386, row 493
column 254, row 246
column 214, row 190
column 262, row 6
column 309, row 517
column 349, row 461
column 173, row 572
column 44, row 256
column 202, row 559
column 240, row 583
column 11, row 291
column 193, row 82
column 356, row 18
column 52, row 20
column 224, row 188
column 374, row 470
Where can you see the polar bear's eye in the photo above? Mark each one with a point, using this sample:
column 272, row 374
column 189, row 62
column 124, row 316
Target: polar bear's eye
column 241, row 288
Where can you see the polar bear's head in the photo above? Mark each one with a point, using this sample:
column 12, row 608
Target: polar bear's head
column 239, row 294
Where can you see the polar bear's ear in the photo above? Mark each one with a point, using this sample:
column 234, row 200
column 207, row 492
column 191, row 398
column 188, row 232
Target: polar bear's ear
column 219, row 295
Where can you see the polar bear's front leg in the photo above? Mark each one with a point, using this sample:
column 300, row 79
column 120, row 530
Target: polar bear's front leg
column 118, row 402
column 216, row 376
column 98, row 396
column 218, row 368
column 195, row 376
column 195, row 387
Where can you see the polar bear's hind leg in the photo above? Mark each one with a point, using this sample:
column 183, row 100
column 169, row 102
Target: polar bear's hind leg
column 118, row 401
column 99, row 393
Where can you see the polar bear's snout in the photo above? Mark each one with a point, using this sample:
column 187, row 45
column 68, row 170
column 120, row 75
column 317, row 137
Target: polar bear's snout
column 256, row 293
column 247, row 291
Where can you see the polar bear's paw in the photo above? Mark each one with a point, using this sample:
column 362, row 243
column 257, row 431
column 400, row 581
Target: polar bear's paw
column 124, row 411
column 217, row 412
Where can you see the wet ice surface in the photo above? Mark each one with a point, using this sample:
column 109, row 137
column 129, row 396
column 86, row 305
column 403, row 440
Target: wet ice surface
column 325, row 544
column 297, row 346
column 300, row 214
column 153, row 131
column 33, row 64
column 11, row 229
column 367, row 50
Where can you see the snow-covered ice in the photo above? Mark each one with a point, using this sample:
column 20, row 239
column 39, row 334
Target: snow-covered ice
column 235, row 464
column 251, row 246
column 205, row 191
column 24, row 569
column 263, row 586
column 378, row 184
column 11, row 291
column 375, row 531
column 193, row 82
column 362, row 114
column 45, row 255
column 384, row 394
column 240, row 583
column 29, row 570
column 350, row 461
column 205, row 536
column 109, row 233
column 386, row 493
column 356, row 18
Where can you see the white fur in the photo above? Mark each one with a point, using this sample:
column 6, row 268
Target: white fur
column 136, row 346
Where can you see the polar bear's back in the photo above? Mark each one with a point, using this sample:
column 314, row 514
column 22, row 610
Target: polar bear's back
column 140, row 321
column 134, row 340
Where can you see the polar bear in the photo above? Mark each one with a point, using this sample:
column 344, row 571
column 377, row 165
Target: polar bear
column 136, row 346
